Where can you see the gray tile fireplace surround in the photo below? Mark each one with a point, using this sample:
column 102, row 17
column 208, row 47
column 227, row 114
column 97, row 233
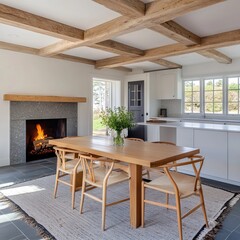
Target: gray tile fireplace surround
column 22, row 111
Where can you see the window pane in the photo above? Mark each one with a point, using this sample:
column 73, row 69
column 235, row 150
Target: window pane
column 218, row 84
column 208, row 85
column 208, row 96
column 196, row 96
column 188, row 97
column 196, row 108
column 218, row 96
column 233, row 108
column 233, row 83
column 233, row 96
column 196, row 85
column 188, row 108
column 209, row 107
column 188, row 85
column 218, row 108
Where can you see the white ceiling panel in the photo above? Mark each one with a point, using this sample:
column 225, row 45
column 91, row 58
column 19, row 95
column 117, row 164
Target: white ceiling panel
column 24, row 37
column 221, row 17
column 232, row 51
column 145, row 66
column 189, row 59
column 144, row 39
column 82, row 14
column 90, row 53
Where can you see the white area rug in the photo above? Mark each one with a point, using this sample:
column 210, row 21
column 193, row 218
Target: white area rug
column 36, row 199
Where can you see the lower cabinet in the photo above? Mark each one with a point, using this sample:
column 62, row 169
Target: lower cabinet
column 220, row 149
column 153, row 133
column 234, row 156
column 185, row 139
column 213, row 145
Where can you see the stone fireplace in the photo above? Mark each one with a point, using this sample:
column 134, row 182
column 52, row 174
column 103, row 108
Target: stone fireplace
column 61, row 114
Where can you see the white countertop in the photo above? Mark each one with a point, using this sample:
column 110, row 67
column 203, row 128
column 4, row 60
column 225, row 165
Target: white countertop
column 204, row 126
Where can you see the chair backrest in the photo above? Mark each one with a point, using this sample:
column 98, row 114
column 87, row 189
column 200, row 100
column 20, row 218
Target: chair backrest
column 90, row 164
column 136, row 139
column 63, row 155
column 196, row 161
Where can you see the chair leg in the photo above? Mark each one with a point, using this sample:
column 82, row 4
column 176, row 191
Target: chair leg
column 73, row 189
column 167, row 199
column 179, row 217
column 203, row 206
column 143, row 204
column 104, row 196
column 82, row 196
column 148, row 174
column 56, row 184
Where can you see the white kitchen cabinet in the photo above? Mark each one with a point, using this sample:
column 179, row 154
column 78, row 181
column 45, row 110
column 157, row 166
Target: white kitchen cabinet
column 167, row 134
column 234, row 156
column 185, row 138
column 169, row 84
column 213, row 146
column 153, row 133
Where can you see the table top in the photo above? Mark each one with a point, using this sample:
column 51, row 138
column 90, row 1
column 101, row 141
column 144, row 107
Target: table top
column 141, row 153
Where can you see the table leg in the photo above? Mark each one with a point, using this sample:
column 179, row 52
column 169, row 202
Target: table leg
column 78, row 180
column 135, row 195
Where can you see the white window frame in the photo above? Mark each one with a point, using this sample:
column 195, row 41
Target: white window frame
column 202, row 113
column 231, row 114
column 223, row 98
column 192, row 80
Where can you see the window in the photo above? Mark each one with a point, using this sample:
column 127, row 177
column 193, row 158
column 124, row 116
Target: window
column 213, row 96
column 233, row 95
column 218, row 96
column 192, row 96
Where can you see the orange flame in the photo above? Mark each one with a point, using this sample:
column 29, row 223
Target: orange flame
column 40, row 133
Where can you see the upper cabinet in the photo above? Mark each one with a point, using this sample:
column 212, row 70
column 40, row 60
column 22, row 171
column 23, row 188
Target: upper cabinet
column 169, row 84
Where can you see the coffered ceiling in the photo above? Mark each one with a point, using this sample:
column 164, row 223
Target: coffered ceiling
column 125, row 34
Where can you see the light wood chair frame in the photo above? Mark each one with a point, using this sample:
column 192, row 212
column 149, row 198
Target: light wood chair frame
column 61, row 170
column 197, row 190
column 88, row 168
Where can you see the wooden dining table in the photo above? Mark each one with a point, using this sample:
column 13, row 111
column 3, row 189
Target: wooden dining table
column 136, row 154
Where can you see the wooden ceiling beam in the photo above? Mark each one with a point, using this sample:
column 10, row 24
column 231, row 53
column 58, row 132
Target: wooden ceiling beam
column 207, row 43
column 129, row 8
column 160, row 11
column 18, row 18
column 118, row 48
column 34, row 51
column 166, row 63
column 122, row 49
column 218, row 56
column 178, row 33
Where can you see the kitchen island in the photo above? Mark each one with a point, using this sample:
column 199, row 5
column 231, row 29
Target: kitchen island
column 219, row 143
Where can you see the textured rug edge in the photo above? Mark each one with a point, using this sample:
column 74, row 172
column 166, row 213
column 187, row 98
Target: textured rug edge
column 41, row 230
column 216, row 223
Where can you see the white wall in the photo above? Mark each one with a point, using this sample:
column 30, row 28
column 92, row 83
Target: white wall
column 29, row 74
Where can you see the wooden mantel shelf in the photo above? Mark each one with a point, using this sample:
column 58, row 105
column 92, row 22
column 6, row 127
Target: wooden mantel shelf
column 37, row 98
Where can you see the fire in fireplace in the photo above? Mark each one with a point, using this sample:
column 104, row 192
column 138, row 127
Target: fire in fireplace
column 38, row 134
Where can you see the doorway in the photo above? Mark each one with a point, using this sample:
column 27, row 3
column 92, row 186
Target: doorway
column 136, row 106
column 106, row 94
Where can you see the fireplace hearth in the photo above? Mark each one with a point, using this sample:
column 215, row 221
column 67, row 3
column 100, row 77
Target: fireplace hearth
column 38, row 134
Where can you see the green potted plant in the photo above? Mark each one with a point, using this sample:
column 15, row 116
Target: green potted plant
column 117, row 119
